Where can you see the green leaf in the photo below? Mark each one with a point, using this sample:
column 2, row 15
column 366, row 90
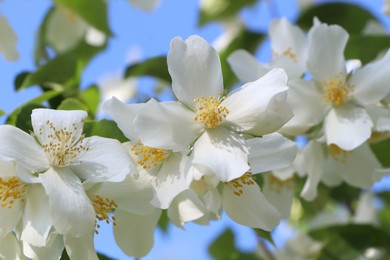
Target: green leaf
column 40, row 42
column 20, row 78
column 72, row 104
column 156, row 67
column 92, row 11
column 64, row 69
column 2, row 112
column 264, row 235
column 104, row 128
column 353, row 18
column 221, row 9
column 366, row 48
column 91, row 97
column 65, row 256
column 223, row 247
column 244, row 40
column 381, row 151
column 163, row 222
column 23, row 119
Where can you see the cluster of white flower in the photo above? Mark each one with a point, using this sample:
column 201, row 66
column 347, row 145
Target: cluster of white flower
column 199, row 155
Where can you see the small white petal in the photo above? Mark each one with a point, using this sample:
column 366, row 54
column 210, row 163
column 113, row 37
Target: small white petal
column 8, row 40
column 314, row 159
column 52, row 250
column 245, row 66
column 95, row 37
column 251, row 208
column 167, row 125
column 347, row 126
column 371, row 82
column 195, row 69
column 146, row 5
column 10, row 248
column 222, row 153
column 270, row 152
column 71, row 209
column 134, row 234
column 259, row 107
column 326, row 51
column 80, row 247
column 9, row 217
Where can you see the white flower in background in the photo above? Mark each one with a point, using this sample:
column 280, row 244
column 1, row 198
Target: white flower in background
column 386, row 7
column 232, row 27
column 65, row 29
column 115, row 86
column 167, row 166
column 146, row 5
column 289, row 51
column 203, row 118
column 60, row 158
column 8, row 40
column 340, row 99
column 333, row 165
column 11, row 248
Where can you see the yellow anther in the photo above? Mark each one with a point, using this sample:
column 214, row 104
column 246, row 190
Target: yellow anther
column 149, row 157
column 338, row 154
column 336, row 91
column 238, row 184
column 11, row 190
column 209, row 112
column 277, row 184
column 103, row 208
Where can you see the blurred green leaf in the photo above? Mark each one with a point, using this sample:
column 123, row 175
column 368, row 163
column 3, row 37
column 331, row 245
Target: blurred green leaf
column 20, row 78
column 104, row 128
column 353, row 18
column 91, row 97
column 221, row 9
column 23, row 118
column 163, row 222
column 64, row 69
column 264, row 235
column 247, row 40
column 381, row 151
column 155, row 67
column 72, row 104
column 223, row 247
column 40, row 53
column 366, row 48
column 2, row 112
column 65, row 256
column 92, row 11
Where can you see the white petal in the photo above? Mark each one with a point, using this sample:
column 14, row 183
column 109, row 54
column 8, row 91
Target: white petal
column 10, row 248
column 314, row 159
column 81, row 247
column 146, row 5
column 259, row 107
column 245, row 66
column 308, row 105
column 134, row 234
column 186, row 207
column 95, row 37
column 347, row 126
column 251, row 208
column 359, row 167
column 7, row 169
column 270, row 152
column 71, row 210
column 133, row 194
column 365, row 211
column 292, row 69
column 123, row 115
column 47, row 121
column 380, row 116
column 195, row 69
column 326, row 51
column 96, row 164
column 9, row 217
column 371, row 82
column 8, row 40
column 221, row 153
column 21, row 147
column 52, row 250
column 36, row 218
column 167, row 125
column 171, row 180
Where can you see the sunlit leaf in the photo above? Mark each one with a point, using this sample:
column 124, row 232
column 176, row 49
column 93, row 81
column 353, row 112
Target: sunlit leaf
column 156, row 67
column 72, row 104
column 352, row 17
column 92, row 11
column 104, row 128
column 91, row 97
column 2, row 112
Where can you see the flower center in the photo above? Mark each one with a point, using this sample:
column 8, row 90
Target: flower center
column 209, row 112
column 338, row 154
column 11, row 189
column 278, row 185
column 336, row 91
column 62, row 145
column 103, row 209
column 238, row 184
column 287, row 53
column 149, row 157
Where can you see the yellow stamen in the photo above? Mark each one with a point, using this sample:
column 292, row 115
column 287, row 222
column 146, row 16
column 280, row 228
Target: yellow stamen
column 103, row 208
column 11, row 189
column 278, row 185
column 336, row 91
column 149, row 157
column 338, row 154
column 287, row 53
column 238, row 184
column 209, row 112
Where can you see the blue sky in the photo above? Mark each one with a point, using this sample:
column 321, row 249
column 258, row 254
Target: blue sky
column 149, row 34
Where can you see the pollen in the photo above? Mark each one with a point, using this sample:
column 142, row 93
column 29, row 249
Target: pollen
column 209, row 111
column 287, row 53
column 103, row 208
column 278, row 185
column 11, row 190
column 336, row 91
column 238, row 184
column 338, row 154
column 149, row 157
column 62, row 145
